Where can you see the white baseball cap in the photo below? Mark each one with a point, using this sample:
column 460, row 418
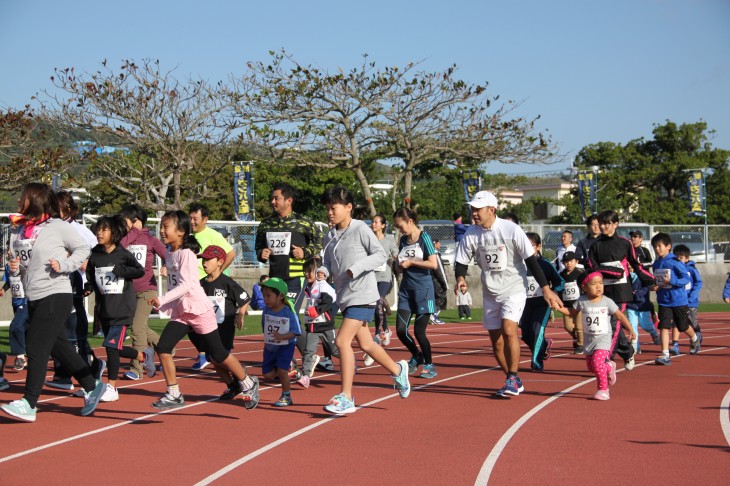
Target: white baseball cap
column 483, row 199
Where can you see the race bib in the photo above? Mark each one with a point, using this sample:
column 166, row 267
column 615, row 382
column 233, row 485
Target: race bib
column 596, row 321
column 219, row 307
column 279, row 242
column 493, row 258
column 533, row 289
column 411, row 252
column 107, row 282
column 23, row 249
column 274, row 324
column 16, row 287
column 571, row 291
column 663, row 276
column 139, row 252
column 614, row 281
column 173, row 276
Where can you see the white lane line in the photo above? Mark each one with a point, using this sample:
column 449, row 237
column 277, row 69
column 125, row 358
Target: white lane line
column 725, row 416
column 486, row 471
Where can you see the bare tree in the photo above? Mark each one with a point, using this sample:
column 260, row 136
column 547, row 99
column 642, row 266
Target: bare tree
column 176, row 131
column 314, row 117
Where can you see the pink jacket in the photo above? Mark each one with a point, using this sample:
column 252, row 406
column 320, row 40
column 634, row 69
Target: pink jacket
column 184, row 295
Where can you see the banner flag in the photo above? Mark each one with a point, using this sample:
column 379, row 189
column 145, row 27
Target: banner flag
column 587, row 193
column 243, row 190
column 696, row 190
column 472, row 183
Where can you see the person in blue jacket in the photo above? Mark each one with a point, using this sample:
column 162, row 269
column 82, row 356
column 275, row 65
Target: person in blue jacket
column 693, row 288
column 671, row 277
column 257, row 299
column 726, row 290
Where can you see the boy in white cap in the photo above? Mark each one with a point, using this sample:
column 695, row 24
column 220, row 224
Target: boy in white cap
column 504, row 254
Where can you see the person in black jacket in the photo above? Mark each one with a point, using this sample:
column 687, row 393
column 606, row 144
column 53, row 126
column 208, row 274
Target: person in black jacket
column 109, row 275
column 440, row 285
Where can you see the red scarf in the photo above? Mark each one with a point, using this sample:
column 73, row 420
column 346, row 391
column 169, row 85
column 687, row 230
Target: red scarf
column 28, row 223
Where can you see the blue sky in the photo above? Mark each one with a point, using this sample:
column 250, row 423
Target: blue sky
column 593, row 71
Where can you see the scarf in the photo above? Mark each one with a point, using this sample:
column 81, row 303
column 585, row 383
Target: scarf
column 28, row 223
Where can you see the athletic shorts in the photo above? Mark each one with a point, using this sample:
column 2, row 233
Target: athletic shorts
column 114, row 336
column 364, row 313
column 227, row 331
column 200, row 323
column 277, row 357
column 497, row 309
column 677, row 315
column 417, row 301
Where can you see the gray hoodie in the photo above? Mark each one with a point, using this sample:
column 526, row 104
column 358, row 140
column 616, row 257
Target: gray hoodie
column 57, row 240
column 358, row 250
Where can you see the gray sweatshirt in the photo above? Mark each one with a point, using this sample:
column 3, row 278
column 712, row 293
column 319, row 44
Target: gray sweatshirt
column 356, row 249
column 56, row 240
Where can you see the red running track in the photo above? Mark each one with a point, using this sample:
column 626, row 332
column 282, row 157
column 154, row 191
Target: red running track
column 662, row 425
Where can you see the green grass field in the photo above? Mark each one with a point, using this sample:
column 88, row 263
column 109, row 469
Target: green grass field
column 253, row 323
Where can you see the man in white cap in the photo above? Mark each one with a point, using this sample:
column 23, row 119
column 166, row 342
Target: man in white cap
column 504, row 254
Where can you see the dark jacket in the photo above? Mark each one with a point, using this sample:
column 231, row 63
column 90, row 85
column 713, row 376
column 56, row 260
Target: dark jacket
column 109, row 276
column 612, row 256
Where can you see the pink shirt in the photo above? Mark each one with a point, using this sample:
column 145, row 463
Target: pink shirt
column 185, row 298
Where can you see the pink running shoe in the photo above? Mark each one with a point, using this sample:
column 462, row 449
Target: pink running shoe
column 602, row 395
column 611, row 373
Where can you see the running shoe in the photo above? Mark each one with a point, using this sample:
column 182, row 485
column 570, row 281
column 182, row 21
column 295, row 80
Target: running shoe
column 250, row 397
column 149, row 361
column 548, row 349
column 233, row 389
column 602, row 395
column 61, row 384
column 629, row 364
column 512, row 387
column 200, row 363
column 284, row 400
column 20, row 409
column 20, row 363
column 578, row 349
column 663, row 360
column 91, row 399
column 674, row 349
column 315, row 362
column 110, row 394
column 401, row 382
column 340, row 404
column 368, row 360
column 536, row 368
column 4, row 384
column 412, row 365
column 611, row 373
column 167, row 402
column 429, row 371
column 699, row 336
column 387, row 335
column 131, row 375
column 304, row 381
column 100, row 365
column 694, row 347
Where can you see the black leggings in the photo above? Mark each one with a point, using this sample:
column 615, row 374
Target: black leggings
column 112, row 359
column 46, row 337
column 381, row 308
column 174, row 331
column 419, row 329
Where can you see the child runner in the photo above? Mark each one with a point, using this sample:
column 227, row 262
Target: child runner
column 384, row 277
column 230, row 303
column 281, row 328
column 463, row 302
column 596, row 310
column 416, row 260
column 190, row 311
column 109, row 275
column 537, row 312
column 693, row 289
column 144, row 247
column 571, row 274
column 352, row 253
column 671, row 277
column 19, row 324
column 638, row 312
column 319, row 319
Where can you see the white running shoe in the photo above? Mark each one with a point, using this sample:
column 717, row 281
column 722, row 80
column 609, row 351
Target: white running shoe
column 368, row 360
column 110, row 394
column 386, row 341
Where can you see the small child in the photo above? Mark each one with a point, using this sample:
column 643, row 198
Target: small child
column 190, row 311
column 596, row 311
column 319, row 322
column 109, row 274
column 693, row 288
column 638, row 311
column 257, row 300
column 671, row 277
column 19, row 324
column 571, row 274
column 322, row 274
column 281, row 327
column 230, row 303
column 463, row 303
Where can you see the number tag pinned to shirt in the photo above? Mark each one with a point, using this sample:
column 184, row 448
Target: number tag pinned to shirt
column 596, row 321
column 663, row 276
column 279, row 242
column 16, row 287
column 219, row 307
column 107, row 282
column 24, row 250
column 139, row 252
column 274, row 324
column 615, row 281
column 411, row 252
column 533, row 289
column 571, row 291
column 493, row 258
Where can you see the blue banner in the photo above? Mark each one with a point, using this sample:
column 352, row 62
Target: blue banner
column 696, row 190
column 243, row 191
column 472, row 183
column 587, row 193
